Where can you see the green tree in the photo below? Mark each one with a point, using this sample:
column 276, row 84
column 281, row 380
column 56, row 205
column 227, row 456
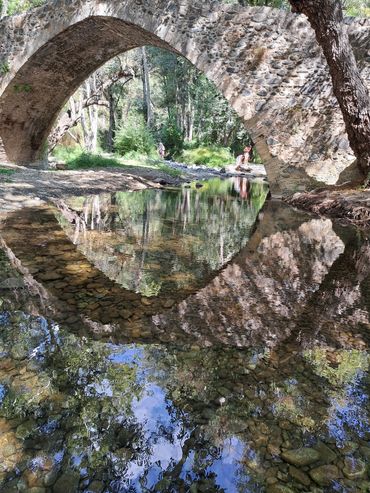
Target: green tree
column 10, row 7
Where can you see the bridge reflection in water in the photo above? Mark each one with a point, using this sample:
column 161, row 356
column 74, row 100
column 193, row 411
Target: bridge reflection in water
column 249, row 373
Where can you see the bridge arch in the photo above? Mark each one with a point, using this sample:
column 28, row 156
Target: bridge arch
column 264, row 61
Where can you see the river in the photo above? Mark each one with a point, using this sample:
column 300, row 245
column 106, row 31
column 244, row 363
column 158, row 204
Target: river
column 189, row 340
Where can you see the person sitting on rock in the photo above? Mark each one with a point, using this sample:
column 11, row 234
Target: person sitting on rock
column 243, row 159
column 161, row 150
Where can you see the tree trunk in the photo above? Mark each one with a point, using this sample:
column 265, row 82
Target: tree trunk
column 326, row 18
column 88, row 98
column 112, row 122
column 70, row 119
column 190, row 124
column 92, row 113
column 85, row 131
column 86, row 117
column 146, row 89
column 4, row 8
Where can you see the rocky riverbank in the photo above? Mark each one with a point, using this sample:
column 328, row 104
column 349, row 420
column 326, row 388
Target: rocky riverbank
column 25, row 187
column 349, row 206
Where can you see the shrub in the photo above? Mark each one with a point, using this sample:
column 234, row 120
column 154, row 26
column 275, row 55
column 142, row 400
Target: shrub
column 139, row 156
column 135, row 137
column 87, row 161
column 172, row 138
column 212, row 156
column 75, row 158
column 66, row 153
column 6, row 171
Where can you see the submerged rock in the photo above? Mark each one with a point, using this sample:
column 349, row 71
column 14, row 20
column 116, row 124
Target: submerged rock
column 354, row 468
column 12, row 283
column 301, row 456
column 324, row 475
column 68, row 481
column 96, row 487
column 279, row 488
column 25, row 429
column 299, row 475
column 326, row 454
column 365, row 452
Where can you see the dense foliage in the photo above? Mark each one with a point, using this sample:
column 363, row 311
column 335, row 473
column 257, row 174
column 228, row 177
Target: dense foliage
column 134, row 136
column 163, row 100
column 16, row 6
column 212, row 156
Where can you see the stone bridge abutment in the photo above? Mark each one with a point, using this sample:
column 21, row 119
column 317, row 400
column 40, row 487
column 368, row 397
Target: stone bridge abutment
column 264, row 61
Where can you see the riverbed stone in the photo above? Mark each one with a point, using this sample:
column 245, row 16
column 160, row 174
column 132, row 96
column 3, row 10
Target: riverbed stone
column 25, row 429
column 325, row 475
column 50, row 477
column 354, row 468
column 273, row 449
column 146, row 301
column 68, row 481
column 301, row 457
column 19, row 352
column 348, row 448
column 9, row 449
column 10, row 487
column 168, row 303
column 365, row 452
column 327, row 455
column 299, row 475
column 279, row 488
column 50, row 276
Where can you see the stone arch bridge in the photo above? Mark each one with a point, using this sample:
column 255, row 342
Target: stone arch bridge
column 264, row 61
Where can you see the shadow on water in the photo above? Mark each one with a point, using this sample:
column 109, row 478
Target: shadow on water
column 163, row 342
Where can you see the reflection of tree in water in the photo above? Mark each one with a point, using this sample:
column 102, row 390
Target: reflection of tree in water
column 163, row 240
column 162, row 417
column 95, row 408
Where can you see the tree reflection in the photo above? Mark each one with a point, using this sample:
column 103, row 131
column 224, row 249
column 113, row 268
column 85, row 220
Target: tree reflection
column 269, row 357
column 157, row 241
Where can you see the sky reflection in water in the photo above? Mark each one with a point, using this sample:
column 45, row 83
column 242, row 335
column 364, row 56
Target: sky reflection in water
column 267, row 355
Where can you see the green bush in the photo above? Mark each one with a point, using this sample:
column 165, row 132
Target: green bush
column 140, row 157
column 172, row 138
column 75, row 158
column 135, row 137
column 88, row 161
column 64, row 153
column 16, row 6
column 212, row 156
column 6, row 171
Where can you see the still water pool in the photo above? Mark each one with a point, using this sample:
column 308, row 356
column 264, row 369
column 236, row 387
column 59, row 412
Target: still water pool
column 183, row 341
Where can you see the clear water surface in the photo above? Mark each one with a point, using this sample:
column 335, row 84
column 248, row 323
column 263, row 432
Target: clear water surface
column 183, row 341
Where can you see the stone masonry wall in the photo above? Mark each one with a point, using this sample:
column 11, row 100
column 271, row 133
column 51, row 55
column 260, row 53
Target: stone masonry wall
column 265, row 62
